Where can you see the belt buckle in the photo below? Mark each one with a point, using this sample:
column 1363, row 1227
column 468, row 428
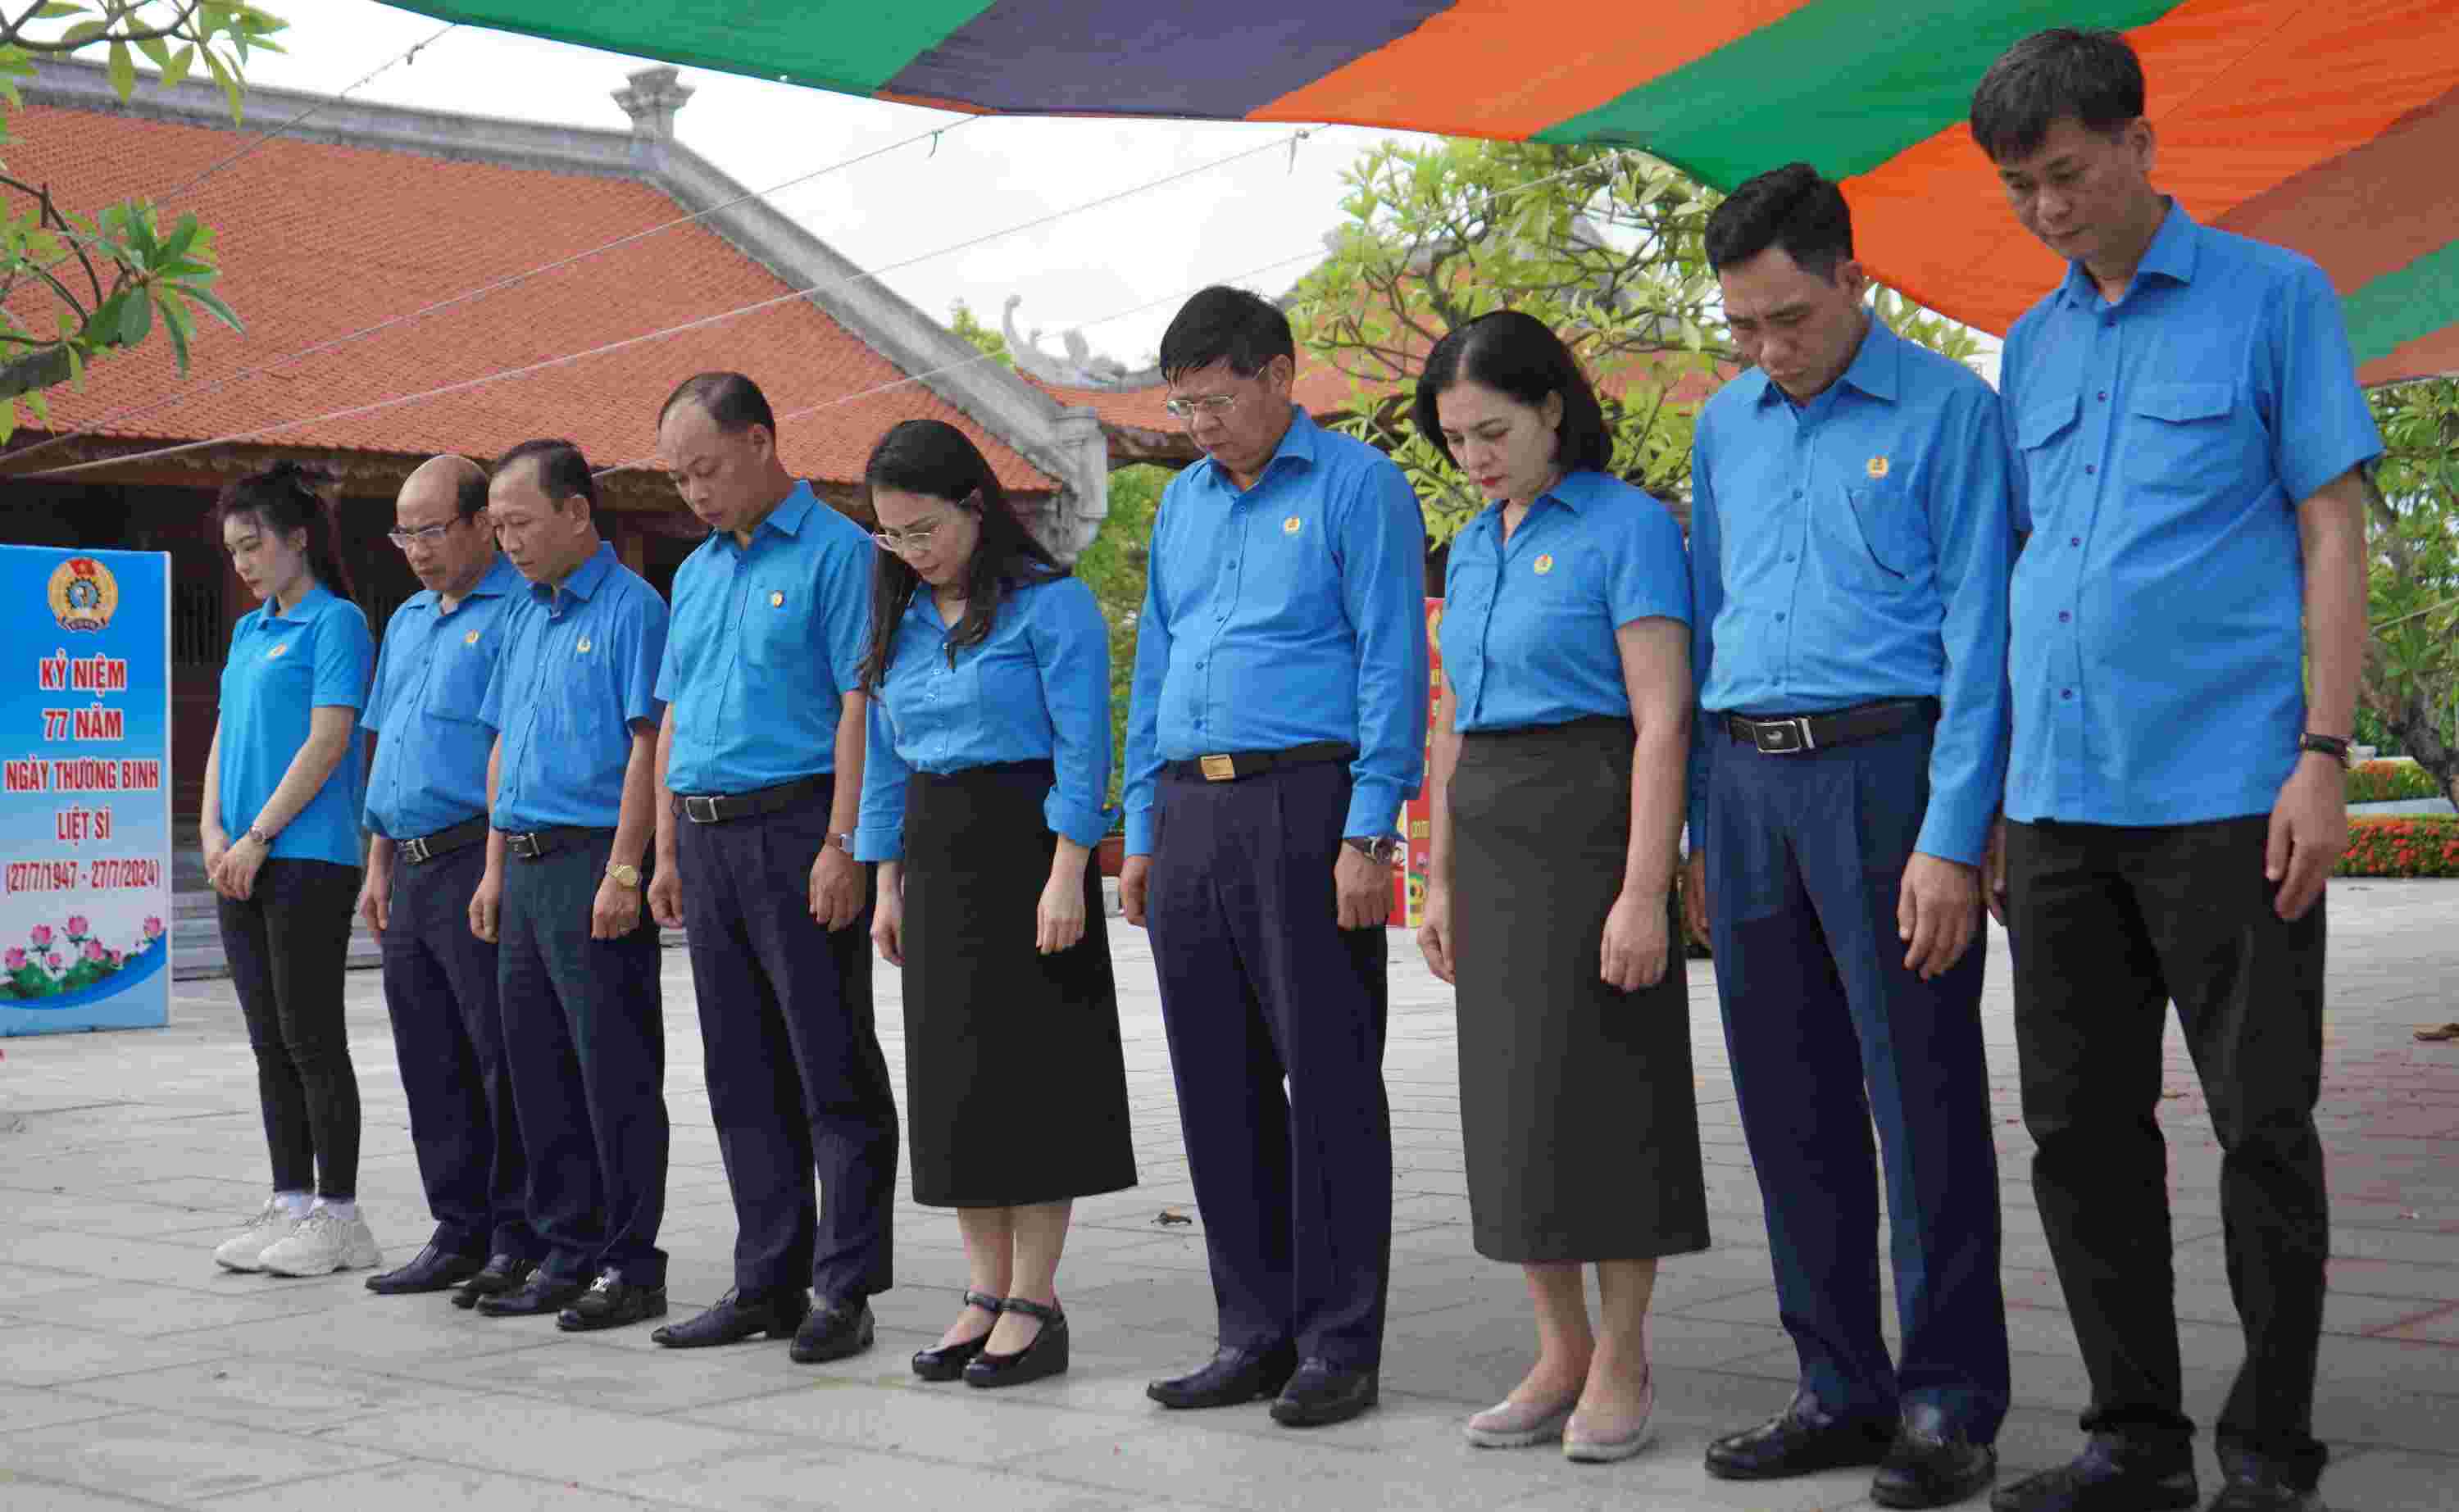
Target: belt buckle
column 1782, row 737
column 700, row 809
column 414, row 851
column 524, row 844
column 1217, row 768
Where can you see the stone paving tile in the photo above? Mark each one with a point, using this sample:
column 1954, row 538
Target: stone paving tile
column 554, row 1440
column 48, row 1355
column 277, row 1395
column 167, row 1457
column 23, row 1407
column 834, row 1479
column 427, row 1487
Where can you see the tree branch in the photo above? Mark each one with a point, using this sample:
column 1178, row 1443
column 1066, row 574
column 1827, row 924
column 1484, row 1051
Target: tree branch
column 176, row 28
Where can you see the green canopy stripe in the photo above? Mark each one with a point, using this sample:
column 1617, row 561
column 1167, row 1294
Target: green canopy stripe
column 2399, row 306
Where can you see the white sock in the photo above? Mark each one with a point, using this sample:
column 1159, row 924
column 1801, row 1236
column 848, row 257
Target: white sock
column 293, row 1204
column 344, row 1209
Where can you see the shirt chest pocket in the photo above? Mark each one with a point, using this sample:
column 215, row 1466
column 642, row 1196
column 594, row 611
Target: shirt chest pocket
column 1469, row 598
column 2182, row 435
column 456, row 682
column 1885, row 535
column 777, row 618
column 578, row 692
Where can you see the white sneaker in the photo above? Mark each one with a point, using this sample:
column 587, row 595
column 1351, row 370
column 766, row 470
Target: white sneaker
column 245, row 1250
column 323, row 1244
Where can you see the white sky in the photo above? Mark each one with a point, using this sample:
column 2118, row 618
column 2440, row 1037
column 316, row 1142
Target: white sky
column 996, row 172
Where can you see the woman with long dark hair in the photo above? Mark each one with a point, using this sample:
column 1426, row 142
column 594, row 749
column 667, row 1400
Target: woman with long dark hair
column 280, row 823
column 1557, row 797
column 988, row 672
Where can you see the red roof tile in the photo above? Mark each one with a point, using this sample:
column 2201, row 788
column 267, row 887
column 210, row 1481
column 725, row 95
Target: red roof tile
column 319, row 240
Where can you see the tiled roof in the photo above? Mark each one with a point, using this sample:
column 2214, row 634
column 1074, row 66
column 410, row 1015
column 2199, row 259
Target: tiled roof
column 319, row 240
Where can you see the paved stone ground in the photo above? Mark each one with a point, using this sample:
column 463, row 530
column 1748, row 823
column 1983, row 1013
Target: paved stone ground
column 134, row 1374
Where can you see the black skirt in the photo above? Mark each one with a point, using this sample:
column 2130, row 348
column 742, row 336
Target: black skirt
column 1016, row 1088
column 1577, row 1108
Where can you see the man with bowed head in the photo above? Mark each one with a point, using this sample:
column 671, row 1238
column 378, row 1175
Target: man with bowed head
column 1848, row 556
column 426, row 807
column 1278, row 721
column 760, row 786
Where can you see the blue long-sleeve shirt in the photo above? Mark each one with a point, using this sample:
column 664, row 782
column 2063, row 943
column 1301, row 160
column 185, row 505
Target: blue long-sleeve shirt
column 1035, row 688
column 1854, row 549
column 1289, row 614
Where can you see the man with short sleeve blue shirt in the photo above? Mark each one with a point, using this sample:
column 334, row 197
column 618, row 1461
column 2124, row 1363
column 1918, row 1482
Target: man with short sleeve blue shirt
column 426, row 807
column 2191, row 448
column 573, row 780
column 760, row 786
column 1278, row 722
column 1848, row 549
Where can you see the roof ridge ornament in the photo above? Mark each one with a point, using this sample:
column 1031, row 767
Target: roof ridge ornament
column 651, row 96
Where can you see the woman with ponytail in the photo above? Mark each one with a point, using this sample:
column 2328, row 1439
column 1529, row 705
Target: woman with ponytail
column 280, row 831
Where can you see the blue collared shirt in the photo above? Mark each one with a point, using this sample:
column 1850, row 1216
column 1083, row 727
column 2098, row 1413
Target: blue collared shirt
column 1035, row 688
column 1529, row 624
column 432, row 677
column 767, row 643
column 1286, row 614
column 578, row 674
column 1854, row 549
column 281, row 666
column 2163, row 444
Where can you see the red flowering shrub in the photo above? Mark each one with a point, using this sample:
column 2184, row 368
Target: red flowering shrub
column 2402, row 848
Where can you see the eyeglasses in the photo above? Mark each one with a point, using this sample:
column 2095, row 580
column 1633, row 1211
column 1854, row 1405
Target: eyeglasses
column 1206, row 404
column 428, row 534
column 919, row 538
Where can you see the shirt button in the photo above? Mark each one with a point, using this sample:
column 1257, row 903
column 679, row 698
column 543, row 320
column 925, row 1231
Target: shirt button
column 2088, row 468
column 2074, row 540
column 2068, row 694
column 1788, row 555
column 2102, row 396
column 1779, row 618
column 2064, row 616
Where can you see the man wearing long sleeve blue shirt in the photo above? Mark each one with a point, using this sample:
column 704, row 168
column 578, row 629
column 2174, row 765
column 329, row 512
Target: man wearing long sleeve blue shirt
column 574, row 705
column 1278, row 722
column 2188, row 634
column 760, row 777
column 427, row 805
column 1848, row 548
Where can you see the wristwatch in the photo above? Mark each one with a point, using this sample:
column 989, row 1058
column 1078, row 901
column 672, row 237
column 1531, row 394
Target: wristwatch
column 842, row 842
column 1382, row 849
column 2331, row 745
column 259, row 836
column 624, row 875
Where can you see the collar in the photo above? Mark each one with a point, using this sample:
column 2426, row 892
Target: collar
column 311, row 604
column 2174, row 249
column 501, row 578
column 1876, row 369
column 1576, row 492
column 1297, row 443
column 793, row 513
column 584, row 580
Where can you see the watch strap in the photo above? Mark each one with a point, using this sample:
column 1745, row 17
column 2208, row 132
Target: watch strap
column 2332, row 745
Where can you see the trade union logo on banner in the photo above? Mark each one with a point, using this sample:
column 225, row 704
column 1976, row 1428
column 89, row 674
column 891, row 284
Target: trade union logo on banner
column 84, row 596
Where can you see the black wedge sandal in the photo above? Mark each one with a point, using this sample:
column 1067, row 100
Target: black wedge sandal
column 1045, row 1356
column 946, row 1362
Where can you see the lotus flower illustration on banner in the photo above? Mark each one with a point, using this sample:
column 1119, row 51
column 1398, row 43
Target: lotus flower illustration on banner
column 37, row 970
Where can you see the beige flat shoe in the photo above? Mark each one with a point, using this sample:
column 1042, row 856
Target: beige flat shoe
column 2448, row 1031
column 1604, row 1443
column 1518, row 1425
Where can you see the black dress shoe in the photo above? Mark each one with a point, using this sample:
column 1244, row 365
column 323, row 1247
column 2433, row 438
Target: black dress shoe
column 503, row 1273
column 1045, row 1356
column 1322, row 1392
column 434, row 1269
column 837, row 1330
column 542, row 1293
column 2257, row 1485
column 946, row 1362
column 612, row 1302
column 737, row 1316
column 1234, row 1376
column 1802, row 1439
column 2113, row 1474
column 1932, row 1465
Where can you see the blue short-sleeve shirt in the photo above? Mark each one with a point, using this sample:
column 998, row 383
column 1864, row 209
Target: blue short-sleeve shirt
column 283, row 666
column 2162, row 446
column 579, row 674
column 1528, row 624
column 430, row 688
column 1035, row 688
column 767, row 642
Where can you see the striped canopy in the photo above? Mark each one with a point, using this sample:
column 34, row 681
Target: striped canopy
column 2331, row 126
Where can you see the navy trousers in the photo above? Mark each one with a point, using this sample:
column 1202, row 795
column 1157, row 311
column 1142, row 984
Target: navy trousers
column 796, row 1080
column 448, row 1032
column 584, row 1030
column 1258, row 984
column 1827, row 1031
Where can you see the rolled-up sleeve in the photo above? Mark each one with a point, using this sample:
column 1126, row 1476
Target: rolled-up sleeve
column 1071, row 650
column 879, row 833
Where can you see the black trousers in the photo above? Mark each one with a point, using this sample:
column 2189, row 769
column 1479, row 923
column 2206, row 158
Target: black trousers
column 448, row 1031
column 1260, row 982
column 796, row 1080
column 586, row 1037
column 286, row 944
column 2109, row 926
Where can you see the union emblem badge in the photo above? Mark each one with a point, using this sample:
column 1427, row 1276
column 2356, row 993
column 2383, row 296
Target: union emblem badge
column 83, row 595
column 1879, row 467
column 1545, row 564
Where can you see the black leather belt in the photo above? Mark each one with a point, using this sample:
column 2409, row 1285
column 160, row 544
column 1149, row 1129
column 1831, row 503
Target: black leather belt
column 532, row 844
column 725, row 808
column 1234, row 765
column 443, row 842
column 1793, row 734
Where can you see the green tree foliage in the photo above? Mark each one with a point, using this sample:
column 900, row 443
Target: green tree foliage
column 1606, row 246
column 1113, row 567
column 963, row 319
column 108, row 280
column 2411, row 686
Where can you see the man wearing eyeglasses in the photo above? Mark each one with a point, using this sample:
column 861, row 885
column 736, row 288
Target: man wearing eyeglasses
column 426, row 807
column 760, row 776
column 1277, row 723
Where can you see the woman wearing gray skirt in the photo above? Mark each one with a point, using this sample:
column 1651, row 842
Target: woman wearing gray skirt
column 1557, row 798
